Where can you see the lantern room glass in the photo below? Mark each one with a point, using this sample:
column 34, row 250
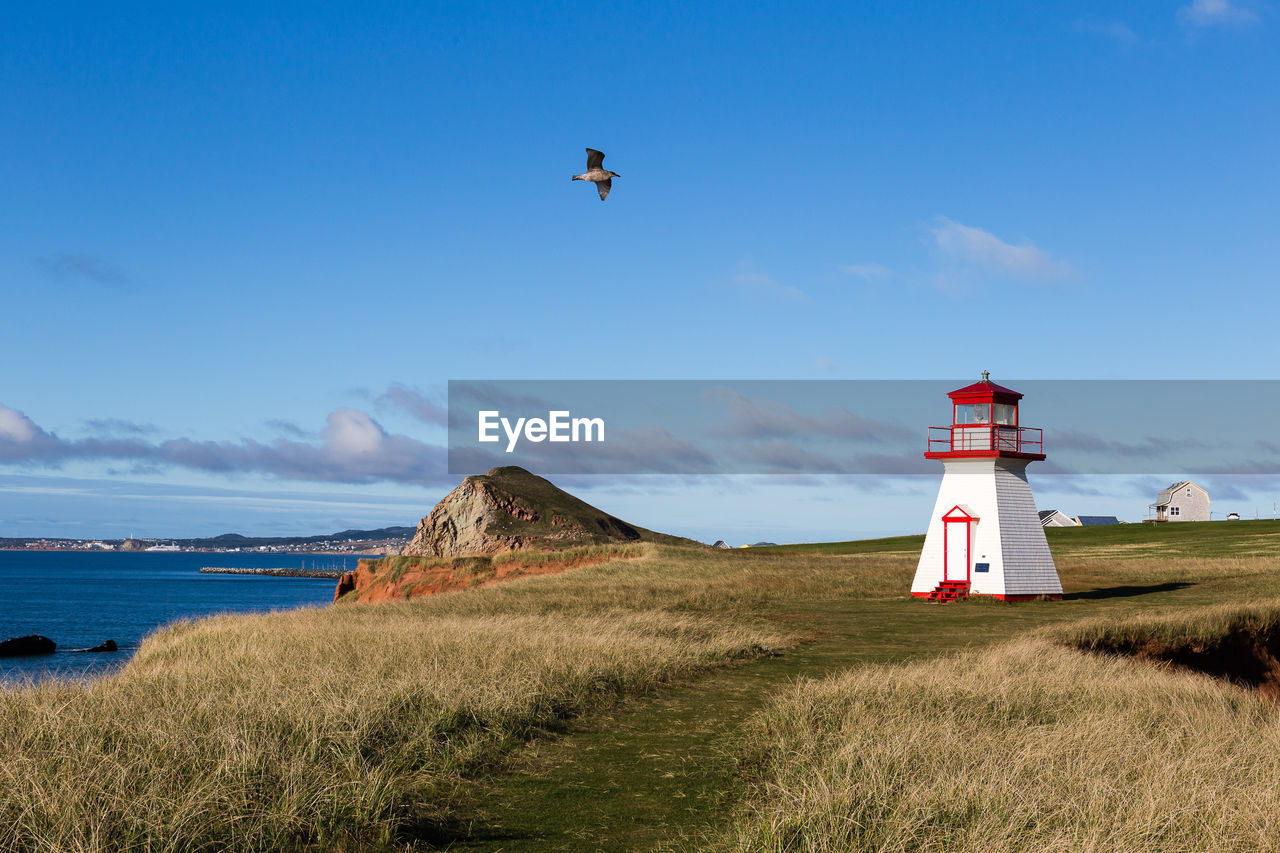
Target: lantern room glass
column 973, row 413
column 1005, row 414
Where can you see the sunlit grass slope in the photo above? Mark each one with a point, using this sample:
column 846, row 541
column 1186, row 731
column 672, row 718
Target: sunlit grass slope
column 340, row 727
column 352, row 727
column 1027, row 745
column 1136, row 728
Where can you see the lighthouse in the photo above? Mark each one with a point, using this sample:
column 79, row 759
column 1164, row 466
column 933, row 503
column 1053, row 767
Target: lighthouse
column 984, row 535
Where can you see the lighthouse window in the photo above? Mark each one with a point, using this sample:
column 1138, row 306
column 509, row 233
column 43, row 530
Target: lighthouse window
column 973, row 413
column 1005, row 414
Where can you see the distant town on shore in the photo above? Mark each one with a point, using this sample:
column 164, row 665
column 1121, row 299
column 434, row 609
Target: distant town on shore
column 343, row 542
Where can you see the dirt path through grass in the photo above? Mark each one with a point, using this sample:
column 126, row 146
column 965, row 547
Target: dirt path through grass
column 639, row 774
column 656, row 771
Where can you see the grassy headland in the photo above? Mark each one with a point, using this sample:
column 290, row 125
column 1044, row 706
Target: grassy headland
column 345, row 726
column 967, row 726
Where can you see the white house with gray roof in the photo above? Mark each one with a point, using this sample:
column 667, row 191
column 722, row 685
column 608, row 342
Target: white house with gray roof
column 1054, row 518
column 1182, row 501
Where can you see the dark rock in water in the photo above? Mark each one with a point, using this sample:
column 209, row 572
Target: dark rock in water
column 108, row 646
column 32, row 644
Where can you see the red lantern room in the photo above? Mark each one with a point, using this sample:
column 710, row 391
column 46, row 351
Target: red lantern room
column 984, row 424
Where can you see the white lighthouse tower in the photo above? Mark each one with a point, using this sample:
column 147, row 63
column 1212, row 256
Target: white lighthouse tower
column 984, row 535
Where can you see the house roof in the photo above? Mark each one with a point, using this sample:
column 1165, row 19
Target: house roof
column 1055, row 518
column 1166, row 496
column 1096, row 520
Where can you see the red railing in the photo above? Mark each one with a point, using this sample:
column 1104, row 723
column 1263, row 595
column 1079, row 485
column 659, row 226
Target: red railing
column 961, row 437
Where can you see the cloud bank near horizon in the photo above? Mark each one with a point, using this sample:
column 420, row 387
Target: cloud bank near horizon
column 351, row 448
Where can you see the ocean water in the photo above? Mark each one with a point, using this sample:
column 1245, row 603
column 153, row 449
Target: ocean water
column 79, row 600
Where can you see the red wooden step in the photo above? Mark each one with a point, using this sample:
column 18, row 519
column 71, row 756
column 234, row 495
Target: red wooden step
column 949, row 591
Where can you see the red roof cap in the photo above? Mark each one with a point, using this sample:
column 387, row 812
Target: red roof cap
column 985, row 390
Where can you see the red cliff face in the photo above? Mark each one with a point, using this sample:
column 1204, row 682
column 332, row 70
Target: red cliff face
column 393, row 578
column 346, row 584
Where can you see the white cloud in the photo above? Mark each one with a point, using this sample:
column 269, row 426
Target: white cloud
column 983, row 250
column 749, row 278
column 867, row 272
column 352, row 448
column 1115, row 30
column 415, row 403
column 824, row 364
column 1208, row 13
column 17, row 427
column 82, row 267
column 353, row 433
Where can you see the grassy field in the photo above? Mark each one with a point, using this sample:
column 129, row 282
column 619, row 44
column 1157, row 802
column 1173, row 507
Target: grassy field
column 1191, row 538
column 351, row 726
column 894, row 725
column 1025, row 745
column 1146, row 723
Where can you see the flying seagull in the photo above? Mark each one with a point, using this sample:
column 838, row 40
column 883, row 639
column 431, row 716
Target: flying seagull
column 597, row 173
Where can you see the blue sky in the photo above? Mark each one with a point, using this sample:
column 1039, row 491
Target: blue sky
column 265, row 239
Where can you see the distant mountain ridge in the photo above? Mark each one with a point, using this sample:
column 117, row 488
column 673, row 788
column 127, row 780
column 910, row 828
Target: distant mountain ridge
column 236, row 540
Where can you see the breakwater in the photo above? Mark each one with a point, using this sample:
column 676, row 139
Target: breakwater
column 274, row 573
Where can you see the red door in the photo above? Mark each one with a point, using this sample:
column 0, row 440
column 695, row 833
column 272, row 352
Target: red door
column 957, row 544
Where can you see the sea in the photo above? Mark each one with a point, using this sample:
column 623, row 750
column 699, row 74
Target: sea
column 81, row 599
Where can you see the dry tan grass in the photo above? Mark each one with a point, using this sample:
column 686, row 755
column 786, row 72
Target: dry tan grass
column 331, row 727
column 1034, row 744
column 1025, row 746
column 1087, row 571
column 1175, row 627
column 253, row 732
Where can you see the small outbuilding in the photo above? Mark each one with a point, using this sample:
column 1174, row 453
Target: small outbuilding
column 1096, row 520
column 1181, row 501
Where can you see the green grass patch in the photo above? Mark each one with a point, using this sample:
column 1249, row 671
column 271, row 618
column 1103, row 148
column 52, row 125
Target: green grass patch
column 890, row 544
column 1180, row 539
column 596, row 553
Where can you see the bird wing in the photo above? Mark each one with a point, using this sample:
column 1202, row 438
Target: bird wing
column 604, row 187
column 595, row 159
